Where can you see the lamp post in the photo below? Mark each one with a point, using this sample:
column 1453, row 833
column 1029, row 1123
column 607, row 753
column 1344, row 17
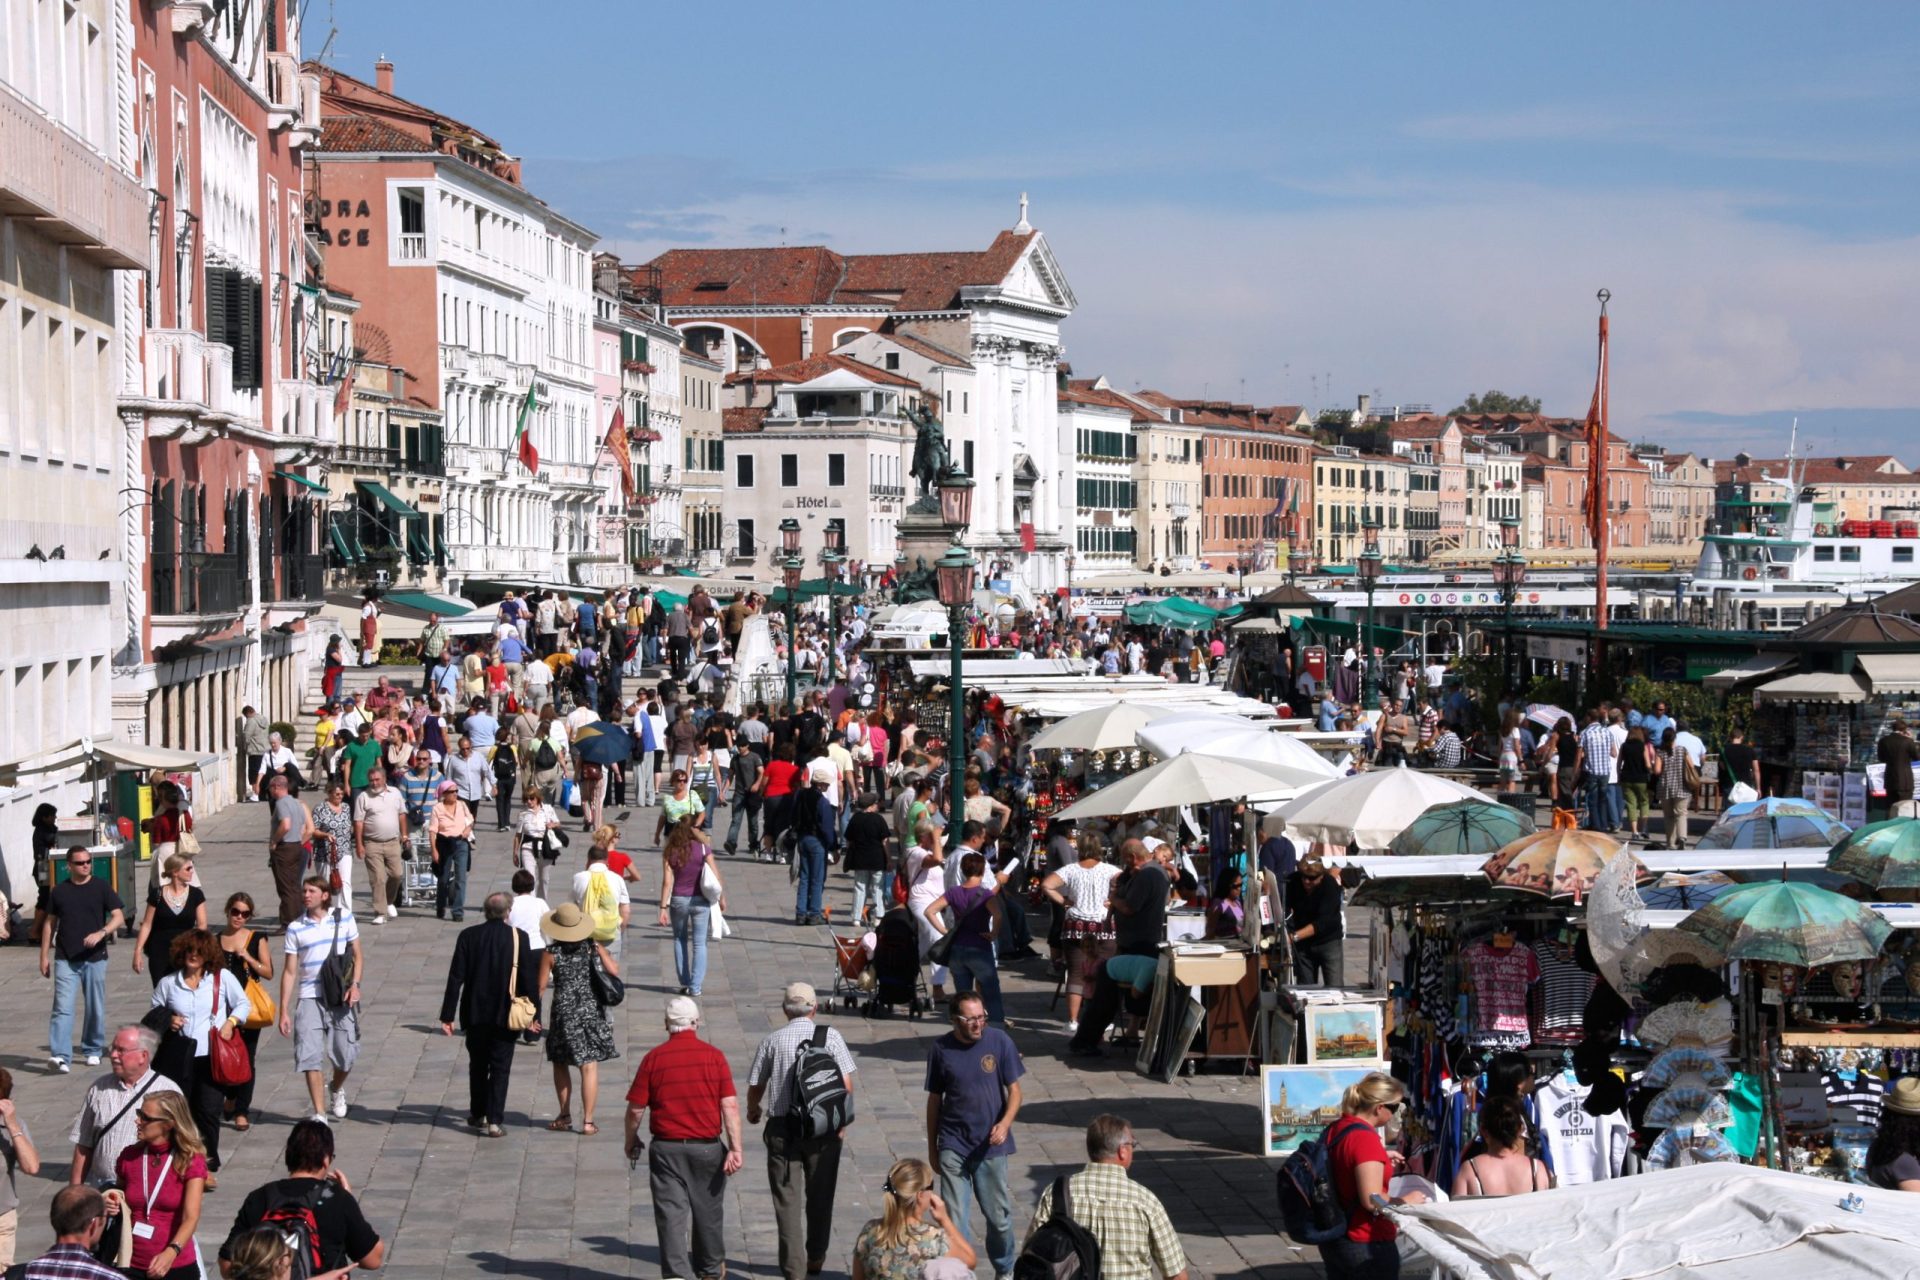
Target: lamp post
column 1368, row 567
column 1246, row 562
column 953, row 585
column 1509, row 571
column 1298, row 557
column 790, row 546
column 954, row 576
column 835, row 555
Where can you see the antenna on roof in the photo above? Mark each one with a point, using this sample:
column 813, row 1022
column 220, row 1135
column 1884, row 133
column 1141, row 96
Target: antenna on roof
column 1021, row 227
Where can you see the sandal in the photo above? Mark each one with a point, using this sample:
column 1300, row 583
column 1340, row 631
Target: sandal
column 242, row 1123
column 562, row 1123
column 589, row 1128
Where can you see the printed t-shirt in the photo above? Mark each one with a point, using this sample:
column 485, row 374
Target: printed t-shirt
column 1500, row 983
column 972, row 1081
column 682, row 1083
column 1580, row 1148
column 1359, row 1144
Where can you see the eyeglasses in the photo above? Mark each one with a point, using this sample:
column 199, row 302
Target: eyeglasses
column 241, row 912
column 975, row 1020
column 1394, row 1106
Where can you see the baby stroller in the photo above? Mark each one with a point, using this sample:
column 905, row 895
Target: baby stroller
column 896, row 967
column 853, row 977
column 418, row 883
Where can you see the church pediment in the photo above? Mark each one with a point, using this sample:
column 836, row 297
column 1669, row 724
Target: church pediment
column 1036, row 277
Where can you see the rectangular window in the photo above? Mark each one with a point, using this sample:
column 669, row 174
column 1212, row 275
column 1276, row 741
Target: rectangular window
column 1903, row 555
column 966, row 452
column 743, row 471
column 1849, row 554
column 836, row 469
column 789, row 470
column 746, row 538
column 893, row 361
column 1823, row 554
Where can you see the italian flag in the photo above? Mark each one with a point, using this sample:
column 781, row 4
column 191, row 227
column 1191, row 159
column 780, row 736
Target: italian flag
column 523, row 438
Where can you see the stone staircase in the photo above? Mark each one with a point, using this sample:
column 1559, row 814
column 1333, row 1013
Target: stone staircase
column 352, row 680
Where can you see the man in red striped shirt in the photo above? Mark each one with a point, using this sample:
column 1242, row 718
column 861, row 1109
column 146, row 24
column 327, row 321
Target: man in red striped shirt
column 695, row 1127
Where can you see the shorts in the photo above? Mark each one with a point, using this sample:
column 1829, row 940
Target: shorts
column 1550, row 768
column 323, row 1037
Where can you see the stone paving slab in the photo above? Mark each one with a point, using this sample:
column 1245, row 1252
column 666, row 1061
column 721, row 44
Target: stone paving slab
column 563, row 1205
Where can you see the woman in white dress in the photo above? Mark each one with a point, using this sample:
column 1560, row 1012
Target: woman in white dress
column 926, row 873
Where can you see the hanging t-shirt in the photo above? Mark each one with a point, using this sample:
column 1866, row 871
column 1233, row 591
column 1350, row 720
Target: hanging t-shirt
column 1862, row 1094
column 1560, row 999
column 1500, row 981
column 1584, row 1148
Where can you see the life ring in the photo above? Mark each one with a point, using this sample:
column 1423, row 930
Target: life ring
column 1750, row 573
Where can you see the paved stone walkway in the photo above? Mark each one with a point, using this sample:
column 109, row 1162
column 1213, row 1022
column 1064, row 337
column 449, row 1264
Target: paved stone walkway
column 547, row 1204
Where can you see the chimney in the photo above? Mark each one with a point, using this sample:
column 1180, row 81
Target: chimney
column 1366, row 404
column 383, row 75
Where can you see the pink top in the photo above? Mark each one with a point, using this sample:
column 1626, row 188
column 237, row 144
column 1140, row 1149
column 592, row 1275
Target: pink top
column 1500, row 981
column 877, row 739
column 155, row 1193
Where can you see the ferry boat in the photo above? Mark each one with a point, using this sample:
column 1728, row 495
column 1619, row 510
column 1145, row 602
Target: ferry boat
column 1799, row 543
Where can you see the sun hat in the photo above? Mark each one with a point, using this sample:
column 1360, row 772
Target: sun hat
column 799, row 993
column 1904, row 1096
column 445, row 787
column 567, row 923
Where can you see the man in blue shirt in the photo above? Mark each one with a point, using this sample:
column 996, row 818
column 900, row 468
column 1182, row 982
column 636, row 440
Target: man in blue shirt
column 583, row 617
column 1329, row 711
column 482, row 727
column 973, row 1095
column 1657, row 723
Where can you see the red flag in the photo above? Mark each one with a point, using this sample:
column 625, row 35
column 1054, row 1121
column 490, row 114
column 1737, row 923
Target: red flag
column 529, row 456
column 1598, row 441
column 617, row 442
column 345, row 393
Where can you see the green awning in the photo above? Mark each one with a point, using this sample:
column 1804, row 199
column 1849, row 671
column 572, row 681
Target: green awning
column 419, row 550
column 384, row 496
column 829, row 586
column 314, row 485
column 341, row 547
column 427, row 603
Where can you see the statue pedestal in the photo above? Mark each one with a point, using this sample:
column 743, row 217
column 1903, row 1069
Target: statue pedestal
column 924, row 537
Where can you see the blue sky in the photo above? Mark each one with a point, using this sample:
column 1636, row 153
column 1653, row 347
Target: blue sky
column 1280, row 202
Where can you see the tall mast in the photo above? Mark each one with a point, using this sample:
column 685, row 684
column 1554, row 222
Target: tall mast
column 1598, row 522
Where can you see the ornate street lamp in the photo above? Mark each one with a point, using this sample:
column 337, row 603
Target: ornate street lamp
column 1368, row 567
column 790, row 536
column 953, row 576
column 792, row 568
column 1509, row 571
column 1299, row 559
column 956, row 500
column 835, row 556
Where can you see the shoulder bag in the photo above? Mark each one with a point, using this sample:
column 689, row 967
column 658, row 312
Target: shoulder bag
column 186, row 844
column 608, row 990
column 227, row 1057
column 262, row 1012
column 336, row 971
column 522, row 1013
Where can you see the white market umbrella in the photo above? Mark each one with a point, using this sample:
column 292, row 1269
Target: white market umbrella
column 1234, row 738
column 1188, row 778
column 1547, row 715
column 1369, row 809
column 1108, row 728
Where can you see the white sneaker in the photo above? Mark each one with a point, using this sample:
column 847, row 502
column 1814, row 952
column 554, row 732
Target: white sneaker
column 339, row 1102
column 377, row 919
column 1073, row 1026
column 393, row 912
column 58, row 1066
column 321, row 1116
column 93, row 1059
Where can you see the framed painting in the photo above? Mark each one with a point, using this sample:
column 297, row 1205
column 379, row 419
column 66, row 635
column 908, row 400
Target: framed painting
column 1339, row 1033
column 1298, row 1103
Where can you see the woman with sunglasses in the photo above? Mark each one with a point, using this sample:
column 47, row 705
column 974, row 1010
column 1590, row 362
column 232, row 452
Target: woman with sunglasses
column 160, row 1182
column 174, row 907
column 913, row 1230
column 200, row 1002
column 680, row 802
column 1362, row 1166
column 246, row 954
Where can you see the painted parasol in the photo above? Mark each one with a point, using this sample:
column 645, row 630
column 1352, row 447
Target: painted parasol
column 1773, row 823
column 1788, row 923
column 1556, row 864
column 1881, row 855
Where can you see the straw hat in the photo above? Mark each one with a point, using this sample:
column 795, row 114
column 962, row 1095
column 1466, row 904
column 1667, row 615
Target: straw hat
column 1904, row 1097
column 567, row 923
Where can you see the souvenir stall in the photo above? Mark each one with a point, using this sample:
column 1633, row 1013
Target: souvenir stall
column 1818, row 732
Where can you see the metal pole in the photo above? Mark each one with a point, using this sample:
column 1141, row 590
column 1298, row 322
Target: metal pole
column 956, row 730
column 793, row 647
column 1506, row 647
column 1366, row 651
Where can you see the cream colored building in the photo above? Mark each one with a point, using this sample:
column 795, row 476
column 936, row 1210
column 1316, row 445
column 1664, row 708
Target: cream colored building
column 1348, row 486
column 702, row 491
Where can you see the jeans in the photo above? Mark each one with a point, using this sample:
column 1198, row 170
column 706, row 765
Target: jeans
column 812, row 883
column 456, row 858
column 964, row 1178
column 89, row 979
column 689, row 916
column 1616, row 806
column 1320, row 961
column 745, row 807
column 1013, row 909
column 1593, row 794
column 869, row 886
column 973, row 967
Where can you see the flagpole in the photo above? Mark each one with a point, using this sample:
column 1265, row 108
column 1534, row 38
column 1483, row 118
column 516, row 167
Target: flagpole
column 1600, row 443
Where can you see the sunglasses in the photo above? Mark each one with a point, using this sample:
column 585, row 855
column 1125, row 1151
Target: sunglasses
column 240, row 912
column 79, row 862
column 147, row 1119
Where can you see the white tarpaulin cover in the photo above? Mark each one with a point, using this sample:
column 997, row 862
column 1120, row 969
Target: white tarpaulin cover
column 1706, row 1222
column 111, row 755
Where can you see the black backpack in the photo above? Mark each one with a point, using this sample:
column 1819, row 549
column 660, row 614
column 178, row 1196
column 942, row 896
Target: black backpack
column 1059, row 1248
column 544, row 756
column 1310, row 1208
column 819, row 1103
column 295, row 1216
column 336, row 971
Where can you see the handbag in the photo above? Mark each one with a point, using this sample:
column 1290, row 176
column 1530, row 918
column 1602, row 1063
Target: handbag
column 227, row 1057
column 709, row 882
column 942, row 949
column 263, row 1009
column 186, row 844
column 522, row 1013
column 608, row 990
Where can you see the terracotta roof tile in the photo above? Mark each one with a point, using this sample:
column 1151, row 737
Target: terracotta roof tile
column 366, row 134
column 817, row 275
column 740, row 420
column 817, row 366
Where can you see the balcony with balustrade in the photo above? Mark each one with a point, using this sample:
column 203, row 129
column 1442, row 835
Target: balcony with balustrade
column 306, row 412
column 184, row 371
column 189, row 584
column 76, row 197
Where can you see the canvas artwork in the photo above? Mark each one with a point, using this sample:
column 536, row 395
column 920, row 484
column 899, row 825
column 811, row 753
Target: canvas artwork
column 1345, row 1033
column 1300, row 1102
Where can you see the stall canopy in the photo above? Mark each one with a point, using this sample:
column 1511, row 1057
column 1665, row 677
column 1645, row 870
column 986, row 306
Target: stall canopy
column 427, row 602
column 1329, row 629
column 1758, row 667
column 1891, row 672
column 1813, row 686
column 1177, row 612
column 1706, row 1221
column 110, row 756
column 302, row 481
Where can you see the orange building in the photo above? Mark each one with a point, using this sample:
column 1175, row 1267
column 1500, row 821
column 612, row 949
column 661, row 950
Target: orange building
column 1256, row 476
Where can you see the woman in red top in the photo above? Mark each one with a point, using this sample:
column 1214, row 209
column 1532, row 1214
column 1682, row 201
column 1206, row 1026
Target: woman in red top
column 781, row 773
column 163, row 829
column 161, row 1179
column 1361, row 1169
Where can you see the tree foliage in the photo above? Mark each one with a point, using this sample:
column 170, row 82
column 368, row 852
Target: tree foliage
column 1499, row 402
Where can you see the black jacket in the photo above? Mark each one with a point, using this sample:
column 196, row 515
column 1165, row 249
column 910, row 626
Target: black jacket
column 1319, row 907
column 478, row 977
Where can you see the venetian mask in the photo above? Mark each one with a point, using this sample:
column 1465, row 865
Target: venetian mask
column 1848, row 982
